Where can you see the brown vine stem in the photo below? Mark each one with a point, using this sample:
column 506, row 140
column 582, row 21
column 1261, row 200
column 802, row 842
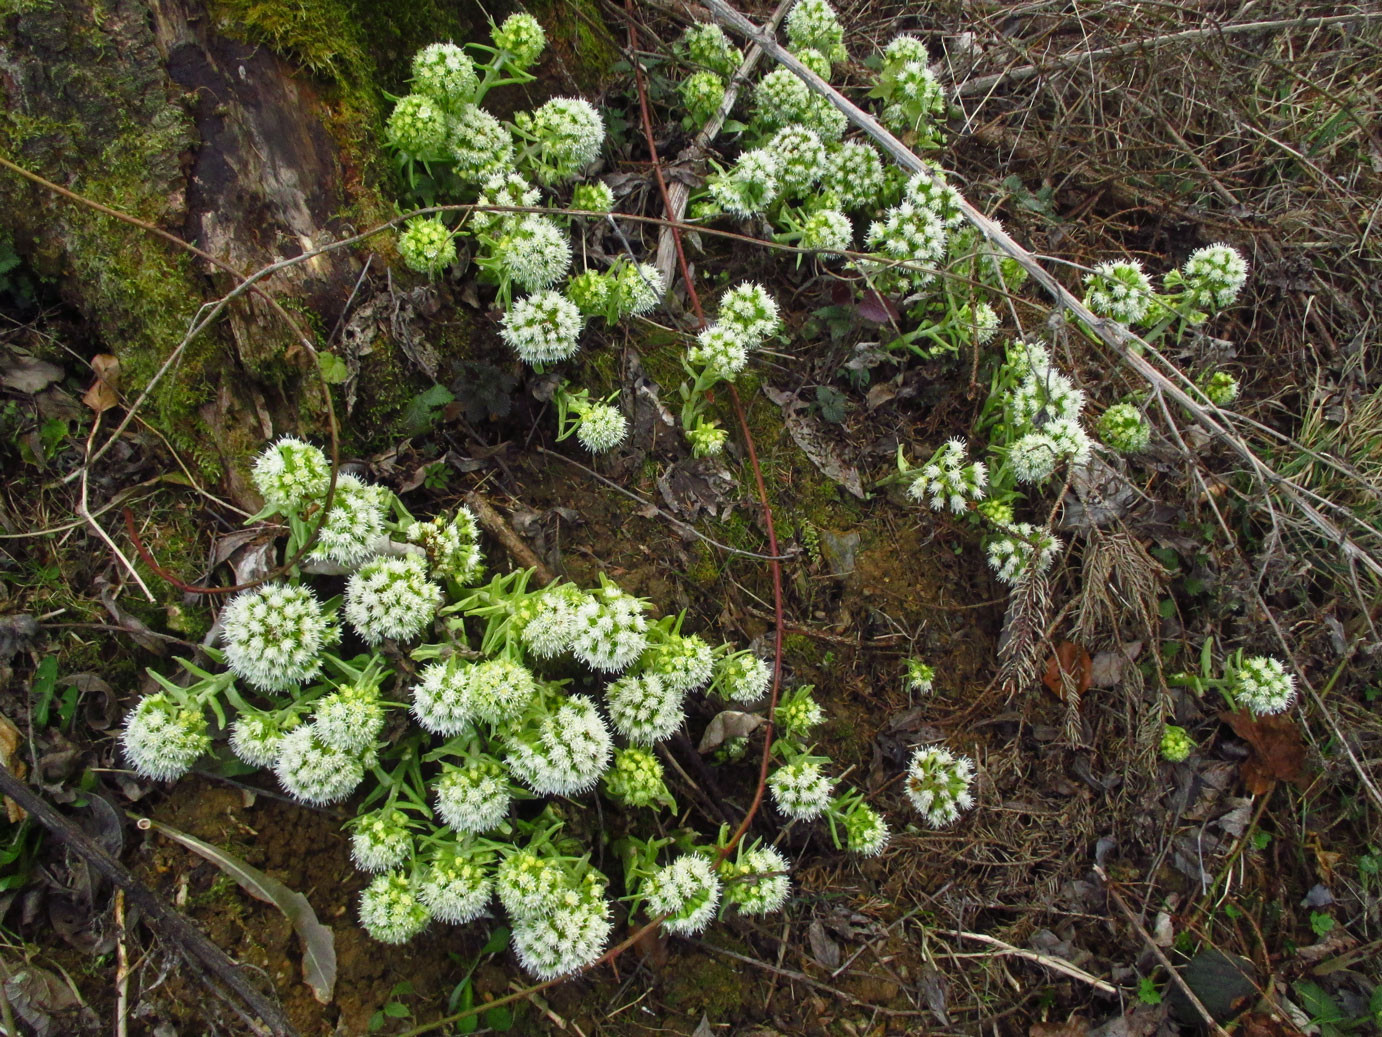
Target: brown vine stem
column 243, row 284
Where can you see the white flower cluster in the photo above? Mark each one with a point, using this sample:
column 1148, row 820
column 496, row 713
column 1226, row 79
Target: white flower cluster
column 1022, row 547
column 644, row 708
column 682, row 662
column 912, row 234
column 560, row 751
column 444, row 72
column 480, row 146
column 756, row 881
column 452, row 546
column 553, row 621
column 610, row 629
column 354, row 527
column 947, row 481
column 742, row 677
column 602, row 428
column 1262, row 686
column 1212, row 276
column 315, row 771
column 291, row 474
column 391, row 597
column 687, row 891
column 800, row 159
column 1124, row 428
column 273, row 635
column 531, row 251
column 801, row 788
column 419, row 127
column 866, row 833
column 750, row 186
column 474, row 798
column 706, row 44
column 520, row 38
column 568, row 133
column 163, row 738
column 382, row 840
column 255, row 738
column 455, row 888
column 721, row 350
column 1034, row 457
column 571, row 937
column 1119, row 290
column 391, row 911
column 636, row 779
column 351, row 718
column 814, row 24
column 427, row 245
column 543, row 328
column 938, row 784
column 828, row 230
column 854, row 175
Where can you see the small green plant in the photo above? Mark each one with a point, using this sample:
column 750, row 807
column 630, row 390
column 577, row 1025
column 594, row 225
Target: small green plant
column 1321, row 924
column 1147, row 991
column 394, row 1008
column 462, row 998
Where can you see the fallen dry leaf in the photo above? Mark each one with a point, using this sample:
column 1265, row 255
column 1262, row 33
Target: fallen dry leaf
column 1278, row 753
column 105, row 390
column 1075, row 1026
column 10, row 740
column 1070, row 666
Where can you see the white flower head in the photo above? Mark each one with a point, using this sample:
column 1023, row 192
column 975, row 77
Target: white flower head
column 532, row 251
column 274, row 634
column 743, row 677
column 702, row 93
column 1119, row 290
column 530, row 885
column 255, row 738
column 554, row 621
column 455, row 888
column 854, row 175
column 801, row 789
column 828, row 230
column 480, row 145
column 381, row 841
column 391, row 597
column 643, row 708
column 756, row 883
column 682, row 662
column 162, row 738
column 290, row 474
column 813, row 23
column 611, row 629
column 798, row 713
column 564, row 941
column 1022, row 547
column 505, row 188
column 569, row 134
column 866, row 833
column 521, row 38
column 441, row 697
column 543, row 328
column 452, row 546
column 638, row 289
column 1123, row 428
column 602, row 428
column 315, row 772
column 595, row 196
column 1220, row 388
column 780, row 98
column 474, row 798
column 801, row 159
column 444, row 71
column 750, row 185
column 930, row 191
column 748, row 309
column 707, row 439
column 687, row 890
column 419, row 126
column 1262, row 686
column 427, row 245
column 920, row 677
column 1033, row 458
column 947, row 481
column 904, row 49
column 1071, row 440
column 911, row 234
column 1047, row 395
column 500, row 689
column 1213, row 275
column 390, row 910
column 938, row 784
column 560, row 751
column 354, row 527
column 351, row 718
column 722, row 349
column 706, row 44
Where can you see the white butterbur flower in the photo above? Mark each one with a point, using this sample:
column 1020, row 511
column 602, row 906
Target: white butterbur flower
column 797, row 714
column 687, row 891
column 1071, row 440
column 555, row 620
column 354, row 526
column 595, row 196
column 1123, row 428
column 930, row 191
column 813, row 23
column 445, row 72
column 569, row 134
column 905, row 48
column 750, row 186
column 162, row 738
column 1024, row 546
column 564, row 941
column 543, row 328
column 480, row 144
column 500, row 689
column 427, row 245
column 722, row 349
column 938, row 784
column 391, row 597
column 274, row 634
column 1033, row 458
column 350, row 718
column 441, row 696
column 255, row 738
column 1046, row 394
column 643, row 708
column 748, row 309
column 946, row 481
column 910, row 234
column 530, row 885
column 828, row 230
column 920, row 677
column 611, row 629
column 390, row 910
column 313, row 771
column 1028, row 361
column 560, row 752
column 291, row 474
column 866, row 833
column 800, row 789
column 1262, row 686
column 520, row 38
column 638, row 288
column 503, row 189
column 1213, row 275
column 454, row 888
column 452, row 545
column 602, row 428
column 1119, row 290
column 780, row 98
column 418, row 126
column 381, row 841
column 854, row 175
column 801, row 158
column 533, row 251
column 474, row 798
column 756, row 883
column 743, row 677
column 705, row 43
column 682, row 662
column 636, row 779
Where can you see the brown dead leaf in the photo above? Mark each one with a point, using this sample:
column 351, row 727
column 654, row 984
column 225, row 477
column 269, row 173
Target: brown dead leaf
column 731, row 723
column 1278, row 753
column 1075, row 1026
column 10, row 740
column 1071, row 667
column 105, row 390
column 1258, row 1024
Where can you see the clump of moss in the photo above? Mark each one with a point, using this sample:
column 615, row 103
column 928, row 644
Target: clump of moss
column 701, row 985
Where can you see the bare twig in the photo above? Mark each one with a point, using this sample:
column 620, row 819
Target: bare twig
column 519, row 551
column 1054, row 964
